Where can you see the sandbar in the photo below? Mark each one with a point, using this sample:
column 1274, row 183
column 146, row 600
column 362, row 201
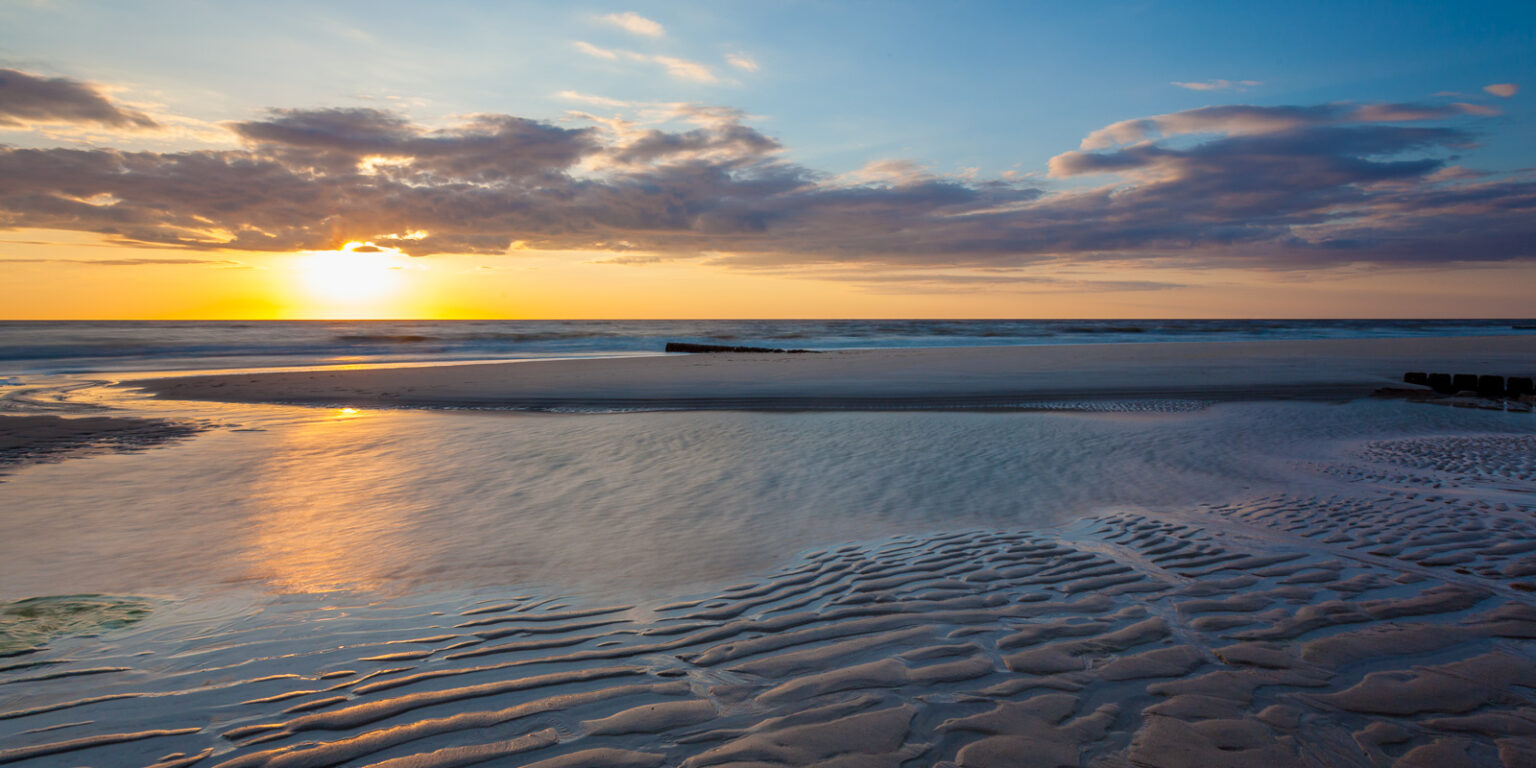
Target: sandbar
column 1329, row 369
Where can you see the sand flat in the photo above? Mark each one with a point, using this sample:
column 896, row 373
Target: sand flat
column 980, row 376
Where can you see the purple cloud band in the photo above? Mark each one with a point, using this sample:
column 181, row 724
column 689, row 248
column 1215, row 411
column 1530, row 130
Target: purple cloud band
column 1274, row 186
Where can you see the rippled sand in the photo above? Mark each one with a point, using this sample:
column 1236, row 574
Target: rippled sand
column 1389, row 623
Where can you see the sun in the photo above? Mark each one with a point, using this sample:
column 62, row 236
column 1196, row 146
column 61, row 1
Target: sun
column 356, row 272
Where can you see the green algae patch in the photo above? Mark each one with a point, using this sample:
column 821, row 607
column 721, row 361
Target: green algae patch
column 27, row 624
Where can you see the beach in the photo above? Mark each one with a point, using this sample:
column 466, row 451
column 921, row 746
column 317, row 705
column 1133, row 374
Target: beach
column 1164, row 554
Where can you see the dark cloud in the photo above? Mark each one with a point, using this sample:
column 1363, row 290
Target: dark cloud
column 350, row 132
column 1276, row 186
column 487, row 149
column 729, row 141
column 27, row 98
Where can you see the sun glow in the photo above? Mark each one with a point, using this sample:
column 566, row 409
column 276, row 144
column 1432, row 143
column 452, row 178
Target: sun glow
column 357, row 272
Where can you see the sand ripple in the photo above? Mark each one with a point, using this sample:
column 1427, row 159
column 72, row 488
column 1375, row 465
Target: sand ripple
column 1469, row 459
column 1357, row 632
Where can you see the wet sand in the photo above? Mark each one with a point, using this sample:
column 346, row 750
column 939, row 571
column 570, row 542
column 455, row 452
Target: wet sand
column 876, row 379
column 28, row 439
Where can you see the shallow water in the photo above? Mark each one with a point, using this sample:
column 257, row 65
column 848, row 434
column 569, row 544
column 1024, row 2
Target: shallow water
column 286, row 499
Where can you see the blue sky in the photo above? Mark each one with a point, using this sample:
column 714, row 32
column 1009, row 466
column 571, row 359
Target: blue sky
column 995, row 86
column 1080, row 148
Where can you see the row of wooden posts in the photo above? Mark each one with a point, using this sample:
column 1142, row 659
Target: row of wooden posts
column 1485, row 386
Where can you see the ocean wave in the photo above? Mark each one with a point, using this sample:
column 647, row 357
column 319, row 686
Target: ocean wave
column 78, row 346
column 385, row 338
column 455, row 338
column 1103, row 329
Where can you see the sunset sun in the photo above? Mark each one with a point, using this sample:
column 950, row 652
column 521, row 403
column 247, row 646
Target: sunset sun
column 356, row 272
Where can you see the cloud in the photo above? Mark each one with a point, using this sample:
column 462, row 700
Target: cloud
column 973, row 282
column 723, row 143
column 127, row 262
column 1219, row 85
column 485, row 149
column 896, row 172
column 682, row 69
column 1276, row 187
column 588, row 98
column 1410, row 113
column 707, row 115
column 1478, row 109
column 592, row 50
column 635, row 259
column 635, row 24
column 742, row 61
column 1504, row 90
column 1245, row 119
column 26, row 98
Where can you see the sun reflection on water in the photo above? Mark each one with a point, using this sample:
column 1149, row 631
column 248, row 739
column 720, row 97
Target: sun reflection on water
column 331, row 513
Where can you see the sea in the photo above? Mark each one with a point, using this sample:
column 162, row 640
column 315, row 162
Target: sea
column 48, row 347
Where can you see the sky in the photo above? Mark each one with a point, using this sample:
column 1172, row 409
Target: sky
column 182, row 160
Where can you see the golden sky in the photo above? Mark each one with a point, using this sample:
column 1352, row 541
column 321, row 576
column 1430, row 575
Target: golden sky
column 53, row 274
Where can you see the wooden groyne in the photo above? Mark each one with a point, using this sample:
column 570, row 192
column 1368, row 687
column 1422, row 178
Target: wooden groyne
column 681, row 346
column 1481, row 385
